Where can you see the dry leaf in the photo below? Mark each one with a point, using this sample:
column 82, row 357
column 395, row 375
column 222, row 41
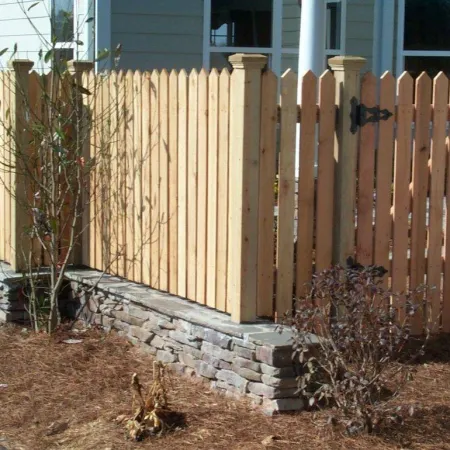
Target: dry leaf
column 56, row 428
column 72, row 341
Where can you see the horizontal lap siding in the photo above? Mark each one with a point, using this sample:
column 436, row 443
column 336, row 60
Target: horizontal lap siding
column 158, row 34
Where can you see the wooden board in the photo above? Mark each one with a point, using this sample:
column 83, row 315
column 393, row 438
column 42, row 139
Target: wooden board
column 202, row 186
column 155, row 184
column 146, row 179
column 366, row 172
column 420, row 179
column 137, row 192
column 305, row 214
column 436, row 213
column 182, row 181
column 267, row 177
column 222, row 192
column 192, row 173
column 173, row 182
column 401, row 206
column 325, row 172
column 213, row 147
column 286, row 195
column 384, row 178
column 164, row 181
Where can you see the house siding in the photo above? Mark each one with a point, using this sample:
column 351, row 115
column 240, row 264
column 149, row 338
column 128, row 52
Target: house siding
column 158, row 34
column 360, row 30
column 16, row 29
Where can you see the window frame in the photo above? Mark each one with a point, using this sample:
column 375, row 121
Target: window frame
column 401, row 52
column 66, row 44
column 276, row 51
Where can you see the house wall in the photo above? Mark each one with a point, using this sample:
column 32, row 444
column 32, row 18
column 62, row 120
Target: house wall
column 158, row 34
column 360, row 29
column 15, row 28
column 31, row 30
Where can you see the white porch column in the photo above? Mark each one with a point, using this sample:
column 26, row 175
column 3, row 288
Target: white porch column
column 312, row 38
column 311, row 48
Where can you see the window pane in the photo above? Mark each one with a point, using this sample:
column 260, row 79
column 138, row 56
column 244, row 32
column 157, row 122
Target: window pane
column 430, row 64
column 427, row 25
column 333, row 41
column 63, row 29
column 241, row 23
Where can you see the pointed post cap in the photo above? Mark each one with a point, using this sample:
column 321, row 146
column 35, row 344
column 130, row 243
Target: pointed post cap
column 248, row 61
column 20, row 65
column 347, row 63
column 79, row 66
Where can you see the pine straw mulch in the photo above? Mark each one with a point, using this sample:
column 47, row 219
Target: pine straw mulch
column 66, row 396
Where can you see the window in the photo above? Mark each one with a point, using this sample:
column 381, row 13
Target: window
column 270, row 27
column 423, row 37
column 63, row 16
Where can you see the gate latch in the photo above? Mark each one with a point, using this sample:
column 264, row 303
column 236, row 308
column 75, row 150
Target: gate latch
column 362, row 115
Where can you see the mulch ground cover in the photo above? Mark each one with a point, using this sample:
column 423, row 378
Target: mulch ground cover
column 59, row 395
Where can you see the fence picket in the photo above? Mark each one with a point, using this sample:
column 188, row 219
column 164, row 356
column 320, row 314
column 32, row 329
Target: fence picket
column 3, row 223
column 164, row 181
column 222, row 192
column 305, row 214
column 112, row 195
column 286, row 195
column 446, row 286
column 192, row 173
column 146, row 178
column 366, row 169
column 213, row 145
column 325, row 172
column 420, row 179
column 155, row 184
column 401, row 205
column 267, row 173
column 173, row 181
column 183, row 93
column 202, row 186
column 137, row 175
column 438, row 156
column 384, row 176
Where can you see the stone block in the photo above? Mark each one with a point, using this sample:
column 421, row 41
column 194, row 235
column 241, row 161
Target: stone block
column 269, row 391
column 216, row 362
column 122, row 326
column 193, row 351
column 272, row 356
column 244, row 352
column 185, row 339
column 279, row 382
column 161, row 333
column 255, row 399
column 198, row 331
column 205, row 370
column 187, row 359
column 125, row 317
column 182, row 325
column 147, row 349
column 283, row 372
column 218, row 352
column 216, row 338
column 243, row 343
column 226, row 387
column 282, row 404
column 177, row 368
column 248, row 374
column 165, row 356
column 138, row 312
column 158, row 342
column 172, row 345
column 247, row 364
column 143, row 335
column 233, row 378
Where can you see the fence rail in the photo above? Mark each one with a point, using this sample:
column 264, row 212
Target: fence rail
column 198, row 163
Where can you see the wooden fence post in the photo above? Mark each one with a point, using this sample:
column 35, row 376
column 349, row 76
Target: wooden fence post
column 81, row 121
column 20, row 116
column 347, row 71
column 245, row 113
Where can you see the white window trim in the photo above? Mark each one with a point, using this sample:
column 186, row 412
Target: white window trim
column 277, row 50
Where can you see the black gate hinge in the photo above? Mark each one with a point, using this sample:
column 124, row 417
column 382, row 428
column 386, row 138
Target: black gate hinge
column 362, row 115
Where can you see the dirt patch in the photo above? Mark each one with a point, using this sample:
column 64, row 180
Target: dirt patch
column 65, row 396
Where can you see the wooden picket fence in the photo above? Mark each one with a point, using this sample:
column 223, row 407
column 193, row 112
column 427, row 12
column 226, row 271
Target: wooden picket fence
column 183, row 192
